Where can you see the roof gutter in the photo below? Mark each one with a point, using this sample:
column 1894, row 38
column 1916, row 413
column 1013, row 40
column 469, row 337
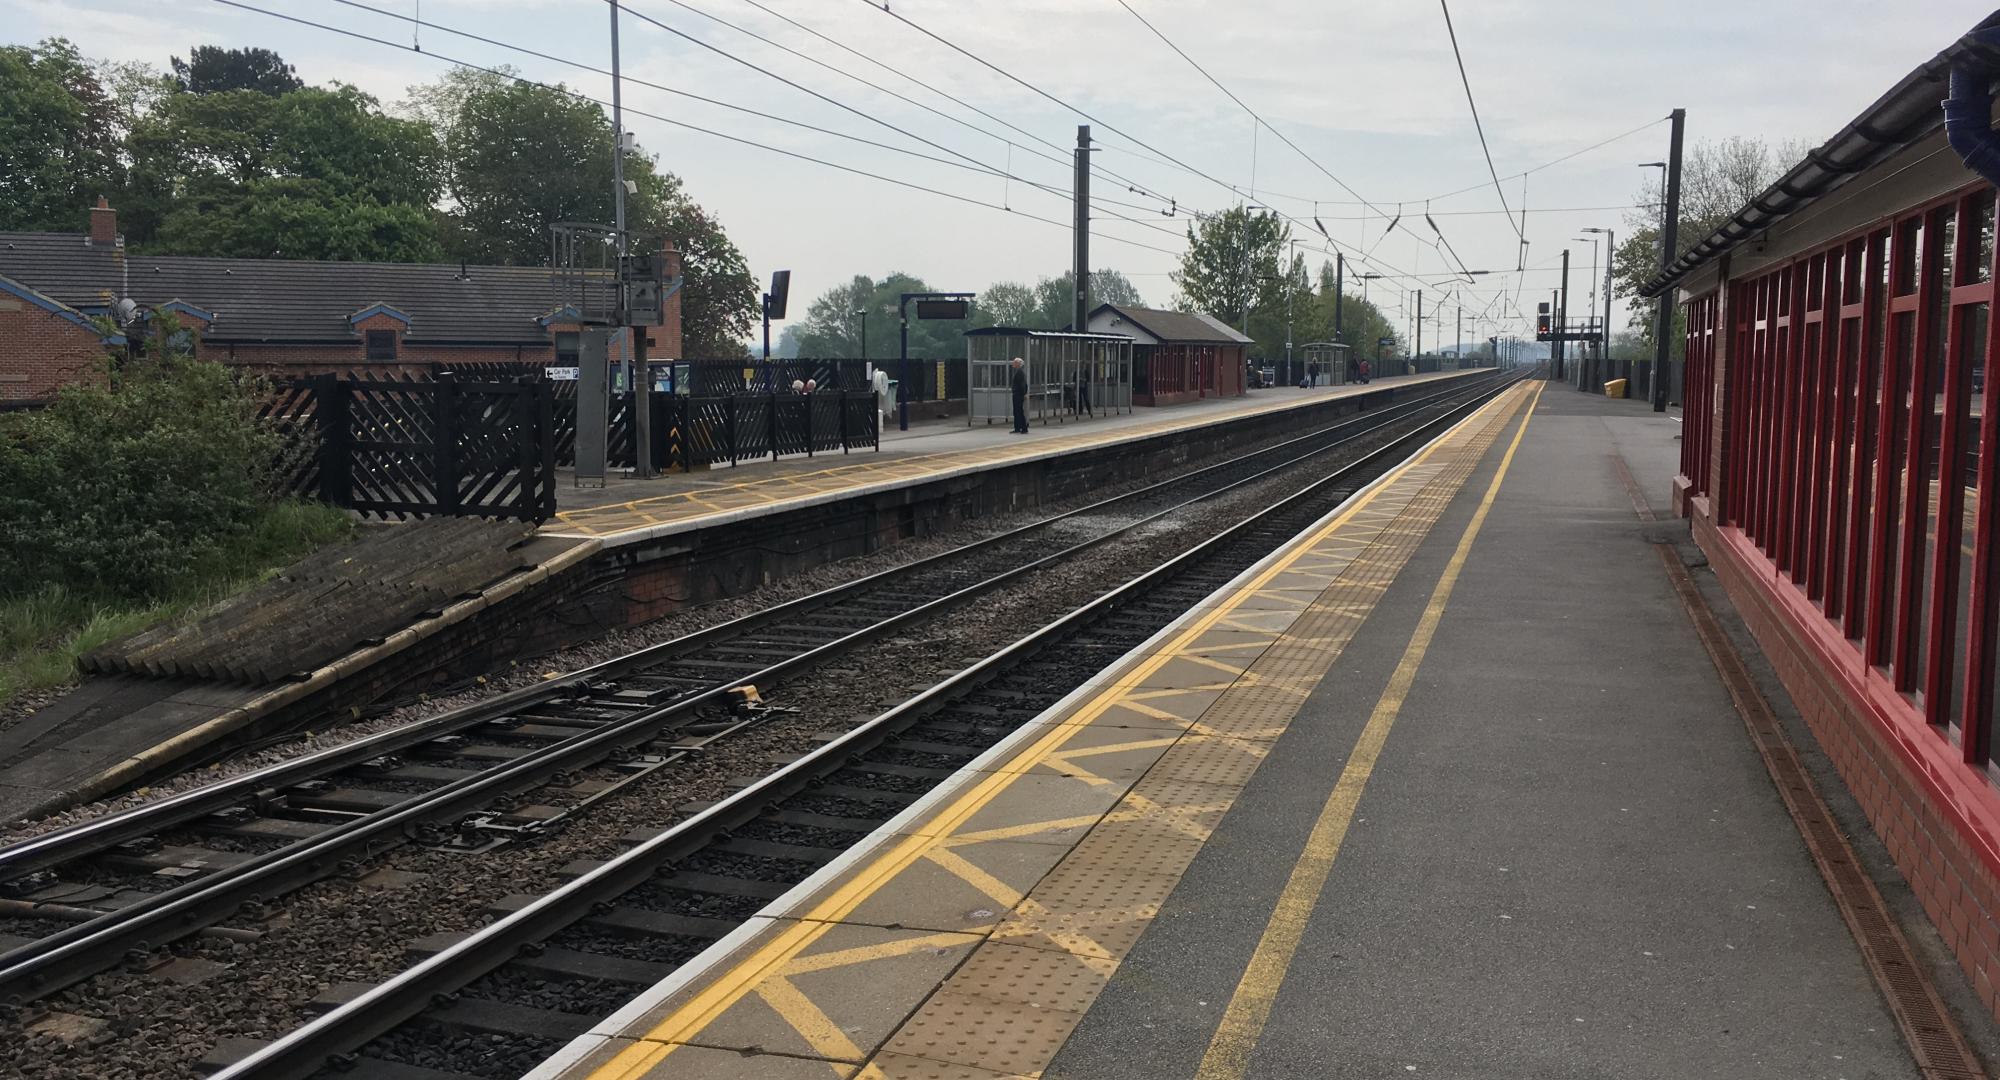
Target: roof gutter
column 1908, row 112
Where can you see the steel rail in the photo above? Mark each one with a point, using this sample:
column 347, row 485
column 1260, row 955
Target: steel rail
column 99, row 834
column 343, row 1030
column 79, row 951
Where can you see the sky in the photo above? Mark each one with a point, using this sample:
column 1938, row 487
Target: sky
column 1367, row 92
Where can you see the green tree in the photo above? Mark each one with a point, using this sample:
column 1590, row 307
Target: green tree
column 1056, row 305
column 520, row 158
column 315, row 173
column 1718, row 178
column 1008, row 303
column 211, row 69
column 1235, row 261
column 832, row 328
column 58, row 137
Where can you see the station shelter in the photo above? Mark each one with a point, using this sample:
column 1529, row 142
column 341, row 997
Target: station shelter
column 1177, row 356
column 1840, row 446
column 1069, row 374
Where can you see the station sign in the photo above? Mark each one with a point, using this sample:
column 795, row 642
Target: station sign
column 560, row 374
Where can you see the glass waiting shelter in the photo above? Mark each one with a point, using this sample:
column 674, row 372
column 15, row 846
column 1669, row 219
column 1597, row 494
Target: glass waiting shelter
column 1332, row 360
column 1068, row 373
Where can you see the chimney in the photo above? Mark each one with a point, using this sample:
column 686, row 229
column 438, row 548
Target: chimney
column 103, row 224
column 665, row 340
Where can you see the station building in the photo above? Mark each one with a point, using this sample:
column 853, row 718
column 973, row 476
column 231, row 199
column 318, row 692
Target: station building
column 61, row 293
column 1176, row 356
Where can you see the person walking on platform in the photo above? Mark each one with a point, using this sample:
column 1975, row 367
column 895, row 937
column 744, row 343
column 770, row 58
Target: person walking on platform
column 1312, row 373
column 1018, row 383
column 1083, row 394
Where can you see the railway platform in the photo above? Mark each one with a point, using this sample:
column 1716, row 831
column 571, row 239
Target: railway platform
column 628, row 511
column 1448, row 786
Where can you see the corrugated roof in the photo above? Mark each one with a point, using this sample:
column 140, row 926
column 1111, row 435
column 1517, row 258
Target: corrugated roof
column 1175, row 325
column 284, row 299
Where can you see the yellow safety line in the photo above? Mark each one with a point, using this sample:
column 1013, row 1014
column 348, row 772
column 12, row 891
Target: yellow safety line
column 1228, row 1056
column 772, row 958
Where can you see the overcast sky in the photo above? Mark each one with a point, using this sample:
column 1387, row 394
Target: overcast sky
column 1368, row 88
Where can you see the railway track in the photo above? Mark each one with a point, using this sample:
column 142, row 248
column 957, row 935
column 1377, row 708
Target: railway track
column 82, row 899
column 494, row 1002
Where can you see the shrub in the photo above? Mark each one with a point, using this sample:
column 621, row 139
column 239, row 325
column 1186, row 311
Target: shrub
column 138, row 488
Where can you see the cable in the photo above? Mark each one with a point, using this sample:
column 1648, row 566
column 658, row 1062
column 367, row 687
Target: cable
column 1131, row 184
column 973, row 164
column 643, row 17
column 669, row 120
column 1476, row 125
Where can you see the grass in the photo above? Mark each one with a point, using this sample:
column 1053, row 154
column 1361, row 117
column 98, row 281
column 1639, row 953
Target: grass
column 44, row 632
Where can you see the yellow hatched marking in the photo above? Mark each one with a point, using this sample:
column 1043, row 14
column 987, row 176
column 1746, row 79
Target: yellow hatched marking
column 781, row 950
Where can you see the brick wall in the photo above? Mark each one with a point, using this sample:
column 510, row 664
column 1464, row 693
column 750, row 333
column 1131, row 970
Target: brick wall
column 1956, row 885
column 40, row 350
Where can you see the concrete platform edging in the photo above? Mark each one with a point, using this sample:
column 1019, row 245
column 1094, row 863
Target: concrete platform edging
column 983, row 769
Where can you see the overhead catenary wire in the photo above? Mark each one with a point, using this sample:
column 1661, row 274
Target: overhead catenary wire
column 1095, row 169
column 965, row 162
column 867, row 174
column 871, row 118
column 1463, row 78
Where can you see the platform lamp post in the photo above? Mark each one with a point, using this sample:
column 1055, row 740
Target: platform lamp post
column 1595, row 372
column 930, row 305
column 1610, row 253
column 861, row 316
column 1664, row 258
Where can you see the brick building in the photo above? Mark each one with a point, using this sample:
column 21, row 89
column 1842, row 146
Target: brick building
column 1176, row 356
column 279, row 317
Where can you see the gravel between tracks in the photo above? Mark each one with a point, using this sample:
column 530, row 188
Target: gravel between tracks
column 339, row 931
column 612, row 645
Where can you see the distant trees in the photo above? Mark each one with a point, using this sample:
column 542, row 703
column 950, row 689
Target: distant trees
column 832, row 326
column 517, row 159
column 58, row 147
column 210, row 69
column 232, row 155
column 1718, row 178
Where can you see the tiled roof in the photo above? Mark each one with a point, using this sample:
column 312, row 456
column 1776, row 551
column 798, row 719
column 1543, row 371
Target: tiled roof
column 1175, row 326
column 290, row 300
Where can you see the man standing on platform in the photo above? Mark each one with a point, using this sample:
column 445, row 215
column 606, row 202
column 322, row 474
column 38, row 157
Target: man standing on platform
column 1019, row 382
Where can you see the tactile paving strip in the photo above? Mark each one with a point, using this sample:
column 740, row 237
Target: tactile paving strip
column 1102, row 896
column 1169, row 761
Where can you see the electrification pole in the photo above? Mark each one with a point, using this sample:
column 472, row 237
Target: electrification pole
column 1340, row 290
column 1417, row 346
column 1669, row 245
column 1081, row 315
column 1562, row 319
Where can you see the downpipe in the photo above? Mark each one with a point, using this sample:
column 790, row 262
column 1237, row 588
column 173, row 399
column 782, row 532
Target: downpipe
column 1968, row 109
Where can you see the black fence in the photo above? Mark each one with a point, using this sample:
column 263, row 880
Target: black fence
column 400, row 448
column 703, row 431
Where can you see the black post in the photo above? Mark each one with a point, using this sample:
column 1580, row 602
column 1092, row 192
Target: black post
column 903, row 366
column 642, row 405
column 1339, row 290
column 334, row 419
column 864, row 341
column 729, row 425
column 1082, row 199
column 1562, row 321
column 1417, row 347
column 1669, row 245
column 843, row 421
column 767, row 337
column 444, row 442
column 772, row 426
